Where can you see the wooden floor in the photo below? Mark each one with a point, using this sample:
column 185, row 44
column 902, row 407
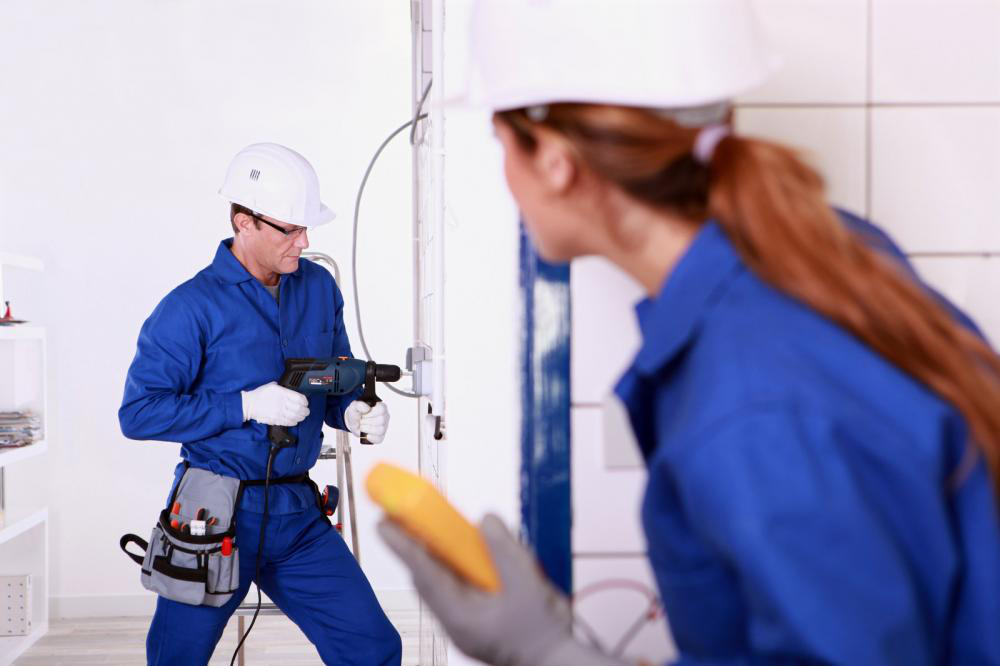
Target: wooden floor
column 275, row 641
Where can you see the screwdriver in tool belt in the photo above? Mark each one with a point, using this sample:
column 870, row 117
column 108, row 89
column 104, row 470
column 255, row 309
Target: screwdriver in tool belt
column 175, row 510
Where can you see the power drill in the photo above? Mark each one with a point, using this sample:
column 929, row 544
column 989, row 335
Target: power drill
column 331, row 376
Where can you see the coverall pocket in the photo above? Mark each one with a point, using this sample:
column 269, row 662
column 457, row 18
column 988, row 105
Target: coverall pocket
column 223, row 577
column 318, row 345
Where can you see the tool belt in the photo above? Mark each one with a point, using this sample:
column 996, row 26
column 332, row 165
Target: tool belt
column 184, row 565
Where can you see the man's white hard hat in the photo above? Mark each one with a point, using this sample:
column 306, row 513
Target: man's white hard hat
column 276, row 181
column 665, row 54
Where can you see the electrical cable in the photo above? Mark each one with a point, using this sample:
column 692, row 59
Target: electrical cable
column 589, row 633
column 354, row 242
column 260, row 549
column 651, row 614
column 652, row 611
column 416, row 114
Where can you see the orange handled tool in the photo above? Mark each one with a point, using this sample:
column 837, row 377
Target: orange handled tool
column 421, row 510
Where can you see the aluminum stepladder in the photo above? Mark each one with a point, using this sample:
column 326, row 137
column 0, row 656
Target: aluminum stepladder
column 341, row 452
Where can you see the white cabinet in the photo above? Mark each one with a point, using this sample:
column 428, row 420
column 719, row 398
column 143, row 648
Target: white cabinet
column 24, row 524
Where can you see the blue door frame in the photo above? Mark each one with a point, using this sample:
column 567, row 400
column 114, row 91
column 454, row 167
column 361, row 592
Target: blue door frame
column 545, row 410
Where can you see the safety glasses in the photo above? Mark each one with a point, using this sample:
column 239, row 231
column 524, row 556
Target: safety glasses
column 288, row 233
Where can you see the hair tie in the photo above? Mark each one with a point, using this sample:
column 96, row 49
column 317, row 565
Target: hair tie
column 708, row 138
column 537, row 113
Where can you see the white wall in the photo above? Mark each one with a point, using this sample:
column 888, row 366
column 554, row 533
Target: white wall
column 117, row 123
column 898, row 104
column 483, row 307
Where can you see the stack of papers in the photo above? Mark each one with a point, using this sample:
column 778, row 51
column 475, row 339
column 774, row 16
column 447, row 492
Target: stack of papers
column 19, row 429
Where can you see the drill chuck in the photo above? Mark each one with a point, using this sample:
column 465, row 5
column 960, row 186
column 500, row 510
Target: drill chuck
column 387, row 373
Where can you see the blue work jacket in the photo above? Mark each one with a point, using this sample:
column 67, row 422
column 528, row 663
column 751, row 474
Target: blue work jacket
column 798, row 508
column 220, row 333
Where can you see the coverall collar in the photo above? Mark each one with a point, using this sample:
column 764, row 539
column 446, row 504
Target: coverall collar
column 669, row 320
column 228, row 268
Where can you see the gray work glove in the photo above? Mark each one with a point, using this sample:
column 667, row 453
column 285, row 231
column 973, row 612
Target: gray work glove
column 527, row 623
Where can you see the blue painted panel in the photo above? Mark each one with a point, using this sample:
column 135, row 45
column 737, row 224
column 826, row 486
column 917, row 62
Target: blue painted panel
column 545, row 409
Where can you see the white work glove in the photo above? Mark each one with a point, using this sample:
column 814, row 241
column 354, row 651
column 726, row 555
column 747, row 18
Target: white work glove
column 360, row 417
column 527, row 623
column 271, row 404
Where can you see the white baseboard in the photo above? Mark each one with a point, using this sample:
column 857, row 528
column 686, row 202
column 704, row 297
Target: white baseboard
column 143, row 605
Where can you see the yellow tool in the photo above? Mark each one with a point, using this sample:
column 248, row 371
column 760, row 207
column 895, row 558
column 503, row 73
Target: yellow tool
column 421, row 510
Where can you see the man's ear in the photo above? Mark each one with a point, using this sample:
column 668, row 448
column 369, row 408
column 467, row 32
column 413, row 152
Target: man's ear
column 242, row 221
column 554, row 161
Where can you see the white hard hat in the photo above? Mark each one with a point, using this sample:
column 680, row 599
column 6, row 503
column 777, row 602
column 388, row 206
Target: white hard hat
column 663, row 54
column 276, row 181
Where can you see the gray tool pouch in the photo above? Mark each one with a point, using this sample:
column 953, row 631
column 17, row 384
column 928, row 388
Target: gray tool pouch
column 193, row 569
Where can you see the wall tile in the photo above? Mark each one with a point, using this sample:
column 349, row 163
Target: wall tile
column 971, row 283
column 605, row 502
column 936, row 177
column 822, row 44
column 936, row 51
column 832, row 140
column 620, row 448
column 605, row 332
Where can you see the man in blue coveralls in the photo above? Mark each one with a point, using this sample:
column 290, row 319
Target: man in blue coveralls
column 204, row 376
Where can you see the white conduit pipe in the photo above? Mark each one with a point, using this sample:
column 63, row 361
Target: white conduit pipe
column 437, row 178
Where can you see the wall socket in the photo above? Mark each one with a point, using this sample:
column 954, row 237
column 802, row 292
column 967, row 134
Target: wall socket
column 15, row 605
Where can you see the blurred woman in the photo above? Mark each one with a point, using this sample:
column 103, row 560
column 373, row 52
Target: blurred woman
column 821, row 430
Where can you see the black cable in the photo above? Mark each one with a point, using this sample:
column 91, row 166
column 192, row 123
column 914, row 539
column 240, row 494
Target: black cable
column 416, row 114
column 260, row 549
column 354, row 244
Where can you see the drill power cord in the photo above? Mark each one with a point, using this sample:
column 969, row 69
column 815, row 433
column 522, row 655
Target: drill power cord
column 260, row 549
column 417, row 117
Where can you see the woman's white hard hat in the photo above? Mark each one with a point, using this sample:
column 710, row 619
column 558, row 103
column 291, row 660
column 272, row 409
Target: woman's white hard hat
column 273, row 180
column 664, row 54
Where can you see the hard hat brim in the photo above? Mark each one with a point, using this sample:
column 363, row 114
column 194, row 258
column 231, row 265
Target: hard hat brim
column 324, row 216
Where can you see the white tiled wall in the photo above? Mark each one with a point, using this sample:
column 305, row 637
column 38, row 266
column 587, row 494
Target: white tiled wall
column 822, row 47
column 938, row 51
column 831, row 139
column 605, row 332
column 935, row 176
column 897, row 103
column 973, row 282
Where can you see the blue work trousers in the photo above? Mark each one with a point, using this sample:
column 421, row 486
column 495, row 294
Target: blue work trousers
column 308, row 571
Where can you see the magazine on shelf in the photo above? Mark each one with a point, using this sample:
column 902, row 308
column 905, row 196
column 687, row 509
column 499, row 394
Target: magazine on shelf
column 19, row 429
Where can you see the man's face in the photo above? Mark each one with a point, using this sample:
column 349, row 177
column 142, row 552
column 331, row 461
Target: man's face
column 272, row 249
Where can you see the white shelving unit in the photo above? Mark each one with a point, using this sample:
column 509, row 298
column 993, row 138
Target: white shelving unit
column 24, row 529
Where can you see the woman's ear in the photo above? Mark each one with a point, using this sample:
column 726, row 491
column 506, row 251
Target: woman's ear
column 554, row 161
